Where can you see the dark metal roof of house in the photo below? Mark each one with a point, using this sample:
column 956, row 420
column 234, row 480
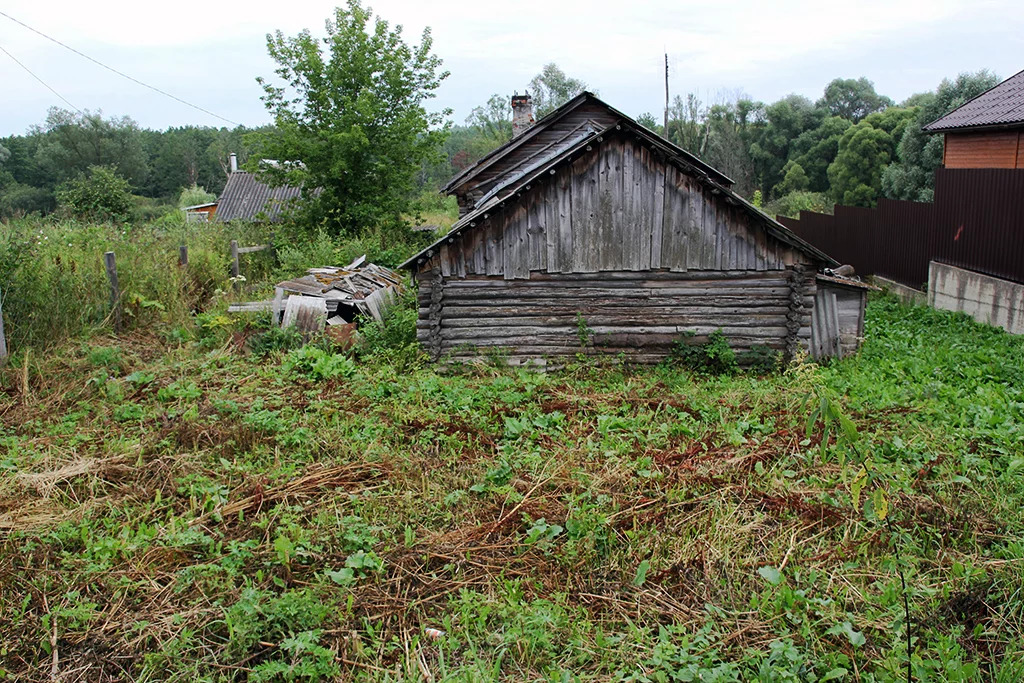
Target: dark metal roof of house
column 246, row 198
column 998, row 107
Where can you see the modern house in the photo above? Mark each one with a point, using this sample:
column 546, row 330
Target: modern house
column 987, row 131
column 588, row 232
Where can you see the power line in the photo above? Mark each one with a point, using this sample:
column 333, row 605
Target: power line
column 45, row 84
column 119, row 73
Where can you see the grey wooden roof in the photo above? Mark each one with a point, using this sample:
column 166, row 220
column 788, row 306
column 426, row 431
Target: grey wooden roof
column 999, row 107
column 245, row 198
column 548, row 133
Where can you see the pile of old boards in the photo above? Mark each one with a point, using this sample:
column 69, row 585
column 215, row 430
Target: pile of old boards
column 331, row 296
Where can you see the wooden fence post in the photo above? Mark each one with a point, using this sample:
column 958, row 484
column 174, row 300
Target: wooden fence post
column 183, row 256
column 115, row 291
column 234, row 263
column 3, row 339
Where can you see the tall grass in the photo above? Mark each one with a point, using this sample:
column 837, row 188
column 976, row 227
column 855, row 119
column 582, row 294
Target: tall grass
column 53, row 282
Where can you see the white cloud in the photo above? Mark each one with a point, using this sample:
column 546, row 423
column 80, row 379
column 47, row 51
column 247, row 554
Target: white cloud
column 212, row 51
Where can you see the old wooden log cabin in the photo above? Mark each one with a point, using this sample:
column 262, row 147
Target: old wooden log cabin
column 588, row 232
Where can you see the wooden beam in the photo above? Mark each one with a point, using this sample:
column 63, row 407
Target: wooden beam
column 115, row 290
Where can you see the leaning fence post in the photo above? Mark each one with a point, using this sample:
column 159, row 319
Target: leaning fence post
column 115, row 291
column 3, row 339
column 183, row 256
column 234, row 262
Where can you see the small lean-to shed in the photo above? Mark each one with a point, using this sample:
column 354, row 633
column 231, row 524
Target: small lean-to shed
column 589, row 232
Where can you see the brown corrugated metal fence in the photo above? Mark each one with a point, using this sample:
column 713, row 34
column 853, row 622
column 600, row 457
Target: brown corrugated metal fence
column 976, row 222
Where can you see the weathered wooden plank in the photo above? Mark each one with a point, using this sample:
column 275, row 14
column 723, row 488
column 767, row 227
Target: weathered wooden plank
column 660, row 275
column 676, row 222
column 653, row 307
column 695, row 226
column 584, row 192
column 608, row 255
column 535, row 242
column 469, row 334
column 552, row 229
column 446, row 260
column 518, row 237
column 563, row 209
column 250, row 250
column 495, row 245
column 655, row 171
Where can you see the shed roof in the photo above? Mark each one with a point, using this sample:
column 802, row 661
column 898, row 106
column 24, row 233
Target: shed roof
column 559, row 155
column 245, row 198
column 999, row 107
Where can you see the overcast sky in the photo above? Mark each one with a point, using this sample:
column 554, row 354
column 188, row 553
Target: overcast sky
column 210, row 52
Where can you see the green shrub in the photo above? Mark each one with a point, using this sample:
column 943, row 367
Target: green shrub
column 760, row 360
column 318, row 364
column 101, row 194
column 714, row 357
column 275, row 339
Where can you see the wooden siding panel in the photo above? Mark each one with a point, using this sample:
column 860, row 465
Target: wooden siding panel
column 552, row 225
column 619, row 206
column 656, row 172
column 985, row 149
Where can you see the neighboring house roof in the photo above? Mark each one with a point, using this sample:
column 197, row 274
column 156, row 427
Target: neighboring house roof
column 522, row 151
column 998, row 107
column 558, row 154
column 246, row 198
column 199, row 206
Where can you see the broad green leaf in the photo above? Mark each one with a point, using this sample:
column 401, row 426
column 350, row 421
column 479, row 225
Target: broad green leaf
column 881, row 504
column 641, row 573
column 832, row 675
column 771, row 575
column 857, row 485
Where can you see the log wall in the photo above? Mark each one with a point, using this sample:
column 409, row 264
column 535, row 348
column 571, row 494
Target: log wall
column 639, row 315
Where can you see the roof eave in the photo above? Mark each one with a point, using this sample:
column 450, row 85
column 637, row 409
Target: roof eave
column 974, row 129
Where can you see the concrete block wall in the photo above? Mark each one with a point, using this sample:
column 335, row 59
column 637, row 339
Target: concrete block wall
column 984, row 298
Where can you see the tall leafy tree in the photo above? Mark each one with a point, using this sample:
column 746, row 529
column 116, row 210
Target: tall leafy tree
column 853, row 99
column 864, row 151
column 493, row 120
column 919, row 154
column 352, row 128
column 552, row 88
column 70, row 143
column 815, row 149
column 784, row 122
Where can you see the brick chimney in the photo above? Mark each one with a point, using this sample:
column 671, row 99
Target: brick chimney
column 522, row 113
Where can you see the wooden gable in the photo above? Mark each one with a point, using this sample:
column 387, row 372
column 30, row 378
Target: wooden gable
column 617, row 205
column 562, row 127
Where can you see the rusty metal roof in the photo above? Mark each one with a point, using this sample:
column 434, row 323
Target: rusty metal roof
column 998, row 107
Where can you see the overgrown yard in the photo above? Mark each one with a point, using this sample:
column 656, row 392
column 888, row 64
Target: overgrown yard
column 173, row 507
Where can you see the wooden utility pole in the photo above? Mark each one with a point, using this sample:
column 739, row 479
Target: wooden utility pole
column 665, row 129
column 115, row 290
column 183, row 255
